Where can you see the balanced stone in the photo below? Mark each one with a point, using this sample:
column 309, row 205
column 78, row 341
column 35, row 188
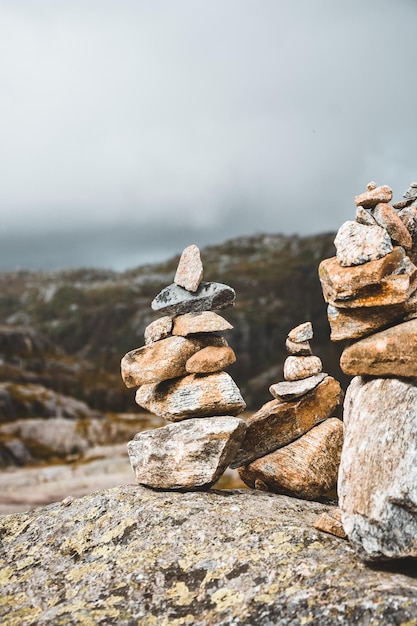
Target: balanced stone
column 159, row 329
column 356, row 243
column 357, row 323
column 298, row 349
column 306, row 468
column 390, row 352
column 341, row 283
column 388, row 218
column 189, row 455
column 378, row 470
column 364, row 216
column 298, row 367
column 372, row 197
column 301, row 333
column 277, row 423
column 289, row 390
column 210, row 359
column 158, row 361
column 189, row 273
column 174, row 300
column 206, row 321
column 192, row 396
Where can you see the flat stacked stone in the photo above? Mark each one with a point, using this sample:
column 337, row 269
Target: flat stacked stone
column 179, row 375
column 292, row 444
column 372, row 298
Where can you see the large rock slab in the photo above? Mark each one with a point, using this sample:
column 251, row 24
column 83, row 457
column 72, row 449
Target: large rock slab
column 357, row 323
column 306, row 468
column 157, row 361
column 356, row 243
column 346, row 283
column 189, row 272
column 132, row 555
column 195, row 395
column 390, row 352
column 174, row 300
column 278, row 423
column 192, row 454
column 204, row 322
column 378, row 471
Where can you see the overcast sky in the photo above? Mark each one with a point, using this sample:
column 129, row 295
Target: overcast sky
column 132, row 128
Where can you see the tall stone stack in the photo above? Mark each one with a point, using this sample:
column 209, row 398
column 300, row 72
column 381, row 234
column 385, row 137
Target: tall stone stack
column 292, row 446
column 179, row 375
column 371, row 291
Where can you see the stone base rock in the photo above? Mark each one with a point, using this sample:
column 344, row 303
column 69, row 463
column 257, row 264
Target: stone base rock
column 188, row 455
column 131, row 555
column 306, row 468
column 378, row 471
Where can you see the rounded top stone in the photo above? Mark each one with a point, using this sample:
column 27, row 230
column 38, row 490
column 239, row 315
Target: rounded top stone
column 371, row 186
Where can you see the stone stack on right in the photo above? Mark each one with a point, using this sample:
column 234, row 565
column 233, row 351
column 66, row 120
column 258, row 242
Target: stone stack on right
column 370, row 287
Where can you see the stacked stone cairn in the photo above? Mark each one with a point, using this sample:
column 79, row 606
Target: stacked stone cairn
column 292, row 446
column 371, row 290
column 179, row 375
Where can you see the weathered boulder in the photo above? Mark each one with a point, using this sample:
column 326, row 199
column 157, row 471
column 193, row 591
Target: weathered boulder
column 131, row 555
column 356, row 323
column 277, row 423
column 299, row 367
column 356, row 243
column 378, row 471
column 195, row 395
column 157, row 361
column 390, row 352
column 191, row 454
column 210, row 359
column 306, row 468
column 388, row 218
column 204, row 322
column 174, row 300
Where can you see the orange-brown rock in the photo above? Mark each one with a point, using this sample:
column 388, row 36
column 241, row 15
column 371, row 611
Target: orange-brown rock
column 157, row 330
column 331, row 522
column 306, row 468
column 340, row 284
column 195, row 395
column 299, row 367
column 388, row 218
column 210, row 359
column 277, row 423
column 390, row 352
column 301, row 333
column 158, row 361
column 357, row 323
column 394, row 289
column 372, row 197
column 204, row 322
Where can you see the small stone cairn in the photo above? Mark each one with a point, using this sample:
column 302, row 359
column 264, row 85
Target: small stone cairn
column 371, row 290
column 179, row 375
column 292, row 446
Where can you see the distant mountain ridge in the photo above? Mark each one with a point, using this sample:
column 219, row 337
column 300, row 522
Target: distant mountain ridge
column 93, row 316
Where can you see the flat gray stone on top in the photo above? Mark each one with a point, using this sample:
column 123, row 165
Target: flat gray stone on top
column 289, row 390
column 174, row 300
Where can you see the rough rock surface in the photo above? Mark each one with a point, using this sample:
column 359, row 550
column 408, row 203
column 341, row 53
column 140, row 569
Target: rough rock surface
column 302, row 348
column 158, row 361
column 158, row 329
column 131, row 555
column 188, row 455
column 175, row 300
column 331, row 522
column 378, row 471
column 299, row 367
column 277, row 423
column 206, row 321
column 189, row 272
column 388, row 218
column 195, row 395
column 289, row 390
column 390, row 352
column 356, row 323
column 356, row 243
column 210, row 359
column 374, row 196
column 345, row 283
column 306, row 468
column 302, row 332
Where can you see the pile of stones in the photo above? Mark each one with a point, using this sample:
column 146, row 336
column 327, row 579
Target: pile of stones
column 179, row 375
column 292, row 446
column 371, row 290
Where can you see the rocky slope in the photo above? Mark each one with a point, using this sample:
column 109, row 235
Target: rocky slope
column 130, row 555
